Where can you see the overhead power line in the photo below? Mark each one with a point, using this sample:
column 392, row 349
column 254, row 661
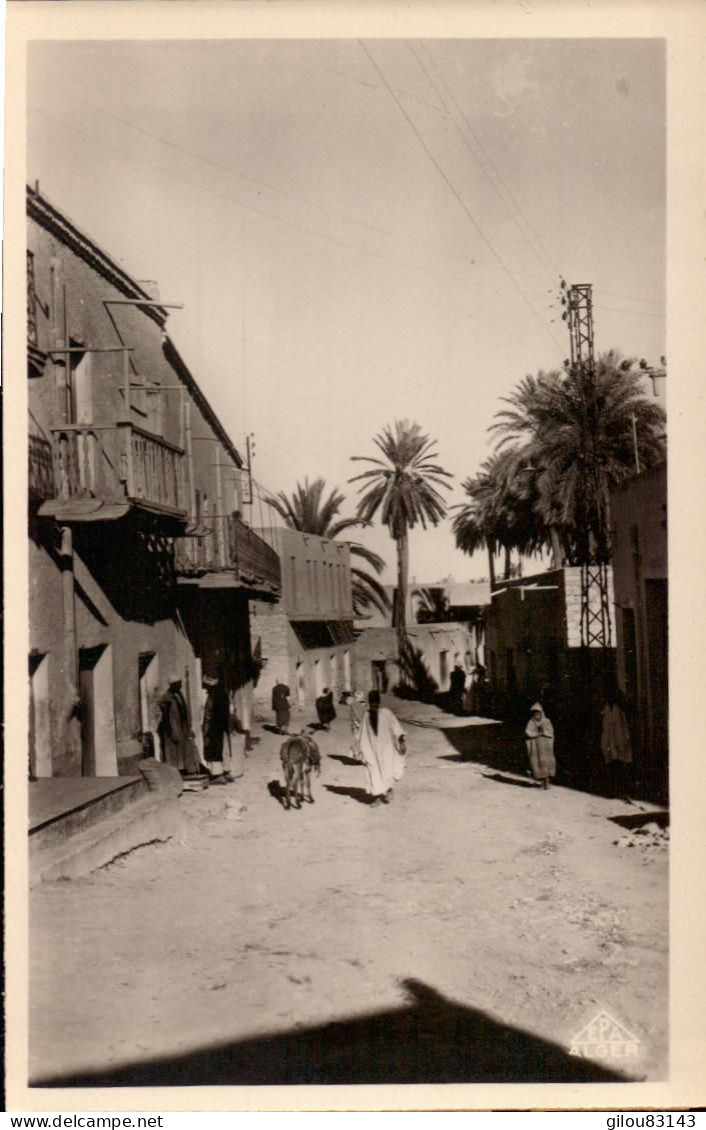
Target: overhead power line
column 258, row 183
column 455, row 192
column 287, row 193
column 262, row 212
column 486, row 164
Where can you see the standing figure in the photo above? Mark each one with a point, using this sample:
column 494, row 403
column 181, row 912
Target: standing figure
column 325, row 710
column 468, row 685
column 175, row 733
column 616, row 746
column 381, row 746
column 457, row 685
column 216, row 731
column 356, row 710
column 539, row 734
column 242, row 707
column 480, row 689
column 280, row 706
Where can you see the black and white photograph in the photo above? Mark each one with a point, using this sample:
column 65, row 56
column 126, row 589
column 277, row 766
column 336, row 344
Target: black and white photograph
column 349, row 403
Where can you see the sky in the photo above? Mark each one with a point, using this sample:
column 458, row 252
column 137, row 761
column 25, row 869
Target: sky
column 365, row 231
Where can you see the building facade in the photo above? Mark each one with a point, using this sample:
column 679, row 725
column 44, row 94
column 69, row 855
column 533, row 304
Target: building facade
column 639, row 520
column 306, row 639
column 432, row 652
column 533, row 643
column 141, row 569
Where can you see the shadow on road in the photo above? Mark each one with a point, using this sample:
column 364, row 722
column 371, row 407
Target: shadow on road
column 509, row 780
column 640, row 819
column 344, row 760
column 499, row 746
column 430, row 1040
column 352, row 791
column 276, row 790
column 502, row 747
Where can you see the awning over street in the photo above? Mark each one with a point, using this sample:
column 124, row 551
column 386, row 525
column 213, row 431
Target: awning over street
column 74, row 511
column 323, row 633
column 84, row 510
column 228, row 579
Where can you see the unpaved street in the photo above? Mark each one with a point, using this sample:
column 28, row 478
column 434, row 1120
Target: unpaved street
column 466, row 932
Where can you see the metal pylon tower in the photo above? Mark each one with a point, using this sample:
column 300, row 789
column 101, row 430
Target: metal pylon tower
column 592, row 525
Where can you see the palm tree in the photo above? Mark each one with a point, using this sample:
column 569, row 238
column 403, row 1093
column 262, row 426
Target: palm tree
column 307, row 510
column 501, row 512
column 433, row 605
column 402, row 486
column 546, row 423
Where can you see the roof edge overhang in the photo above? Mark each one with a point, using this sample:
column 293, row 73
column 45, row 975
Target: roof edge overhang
column 85, row 510
column 54, row 221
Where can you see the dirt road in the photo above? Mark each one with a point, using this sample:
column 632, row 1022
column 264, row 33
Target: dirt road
column 467, row 932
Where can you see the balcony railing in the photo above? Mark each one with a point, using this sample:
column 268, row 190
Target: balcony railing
column 227, row 543
column 122, row 461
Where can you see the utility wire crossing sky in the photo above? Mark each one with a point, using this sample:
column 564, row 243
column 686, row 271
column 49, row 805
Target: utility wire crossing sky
column 366, row 231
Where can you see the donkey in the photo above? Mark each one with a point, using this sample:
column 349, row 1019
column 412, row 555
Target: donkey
column 299, row 755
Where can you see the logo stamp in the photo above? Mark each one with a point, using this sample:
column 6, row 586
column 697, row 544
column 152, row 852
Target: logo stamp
column 604, row 1038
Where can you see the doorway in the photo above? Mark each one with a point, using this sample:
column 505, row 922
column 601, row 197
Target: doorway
column 40, row 762
column 300, row 683
column 148, row 674
column 379, row 674
column 656, row 618
column 98, row 746
column 318, row 678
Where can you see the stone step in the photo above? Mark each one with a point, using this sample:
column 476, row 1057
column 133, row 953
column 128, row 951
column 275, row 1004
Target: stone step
column 62, row 807
column 151, row 817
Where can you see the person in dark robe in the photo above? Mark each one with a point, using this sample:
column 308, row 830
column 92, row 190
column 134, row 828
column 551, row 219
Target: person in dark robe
column 216, row 731
column 539, row 736
column 175, row 733
column 280, row 706
column 325, row 710
column 457, row 686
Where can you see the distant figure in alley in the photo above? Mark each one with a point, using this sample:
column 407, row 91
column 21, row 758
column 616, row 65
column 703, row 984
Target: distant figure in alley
column 457, row 686
column 356, row 712
column 380, row 745
column 280, row 706
column 539, row 736
column 325, row 710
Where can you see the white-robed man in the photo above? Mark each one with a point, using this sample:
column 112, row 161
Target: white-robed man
column 381, row 747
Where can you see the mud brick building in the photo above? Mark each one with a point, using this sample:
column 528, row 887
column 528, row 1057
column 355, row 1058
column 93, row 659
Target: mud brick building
column 306, row 640
column 432, row 652
column 140, row 565
column 533, row 643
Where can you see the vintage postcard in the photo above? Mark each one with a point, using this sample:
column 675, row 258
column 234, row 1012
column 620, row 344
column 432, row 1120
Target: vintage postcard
column 354, row 651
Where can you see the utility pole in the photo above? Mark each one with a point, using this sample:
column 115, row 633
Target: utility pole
column 592, row 518
column 250, row 453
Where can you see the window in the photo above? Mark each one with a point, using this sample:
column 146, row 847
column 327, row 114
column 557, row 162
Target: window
column 293, row 580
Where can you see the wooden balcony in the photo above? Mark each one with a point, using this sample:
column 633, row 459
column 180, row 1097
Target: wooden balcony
column 122, row 463
column 227, row 554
